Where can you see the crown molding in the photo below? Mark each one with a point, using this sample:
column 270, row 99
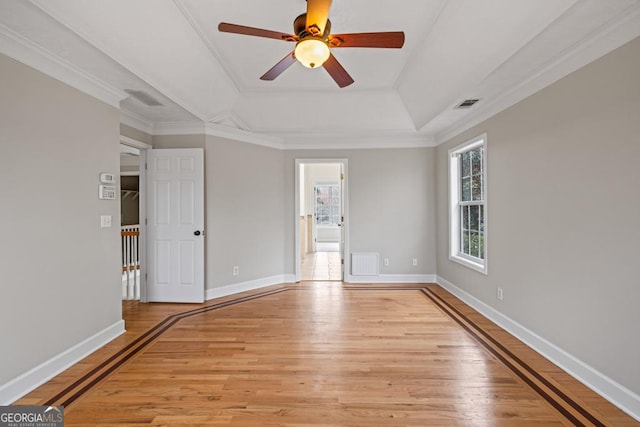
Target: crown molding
column 289, row 141
column 35, row 56
column 51, row 10
column 132, row 142
column 229, row 116
column 213, row 129
column 591, row 48
column 136, row 121
column 357, row 140
column 178, row 128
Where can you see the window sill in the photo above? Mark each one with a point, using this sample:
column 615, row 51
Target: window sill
column 479, row 267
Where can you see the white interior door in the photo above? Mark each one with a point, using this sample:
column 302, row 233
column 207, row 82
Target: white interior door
column 175, row 225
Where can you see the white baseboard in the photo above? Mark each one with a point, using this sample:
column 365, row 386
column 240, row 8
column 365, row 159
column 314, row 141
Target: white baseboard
column 392, row 278
column 249, row 286
column 619, row 395
column 23, row 384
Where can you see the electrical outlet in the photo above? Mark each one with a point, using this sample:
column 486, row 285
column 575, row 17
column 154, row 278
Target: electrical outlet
column 415, row 262
column 386, row 262
column 236, row 270
column 499, row 294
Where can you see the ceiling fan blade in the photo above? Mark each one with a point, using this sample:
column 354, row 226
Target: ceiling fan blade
column 337, row 71
column 225, row 27
column 280, row 67
column 317, row 15
column 391, row 39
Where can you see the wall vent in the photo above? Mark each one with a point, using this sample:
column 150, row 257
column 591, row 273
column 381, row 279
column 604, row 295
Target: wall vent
column 467, row 103
column 364, row 264
column 144, row 97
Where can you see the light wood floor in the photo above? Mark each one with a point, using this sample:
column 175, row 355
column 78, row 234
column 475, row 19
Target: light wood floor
column 321, row 266
column 321, row 354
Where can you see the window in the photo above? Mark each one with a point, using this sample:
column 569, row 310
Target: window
column 327, row 204
column 468, row 204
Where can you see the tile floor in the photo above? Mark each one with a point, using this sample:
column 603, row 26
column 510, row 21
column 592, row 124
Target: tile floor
column 325, row 264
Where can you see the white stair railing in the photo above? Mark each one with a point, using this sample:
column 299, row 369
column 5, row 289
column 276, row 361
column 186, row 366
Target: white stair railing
column 130, row 235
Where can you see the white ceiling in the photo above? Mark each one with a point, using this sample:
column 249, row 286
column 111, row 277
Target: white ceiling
column 499, row 51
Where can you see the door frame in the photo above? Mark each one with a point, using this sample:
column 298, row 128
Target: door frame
column 142, row 209
column 345, row 209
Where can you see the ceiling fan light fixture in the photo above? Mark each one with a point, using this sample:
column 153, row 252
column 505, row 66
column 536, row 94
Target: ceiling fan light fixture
column 312, row 52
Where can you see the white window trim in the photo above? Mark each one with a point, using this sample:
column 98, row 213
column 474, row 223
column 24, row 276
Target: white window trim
column 454, row 218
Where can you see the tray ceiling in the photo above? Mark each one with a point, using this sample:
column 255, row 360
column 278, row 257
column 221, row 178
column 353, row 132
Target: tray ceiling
column 170, row 51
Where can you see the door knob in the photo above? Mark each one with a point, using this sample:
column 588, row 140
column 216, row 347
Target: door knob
column 196, row 233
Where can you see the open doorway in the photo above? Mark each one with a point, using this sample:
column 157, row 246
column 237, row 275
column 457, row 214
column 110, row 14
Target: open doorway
column 130, row 221
column 320, row 220
column 132, row 209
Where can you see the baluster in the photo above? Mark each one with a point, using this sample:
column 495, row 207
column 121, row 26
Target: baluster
column 136, row 264
column 124, row 263
column 132, row 273
column 130, row 262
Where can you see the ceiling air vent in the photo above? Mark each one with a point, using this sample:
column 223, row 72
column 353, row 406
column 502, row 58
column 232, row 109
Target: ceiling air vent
column 467, row 103
column 144, row 97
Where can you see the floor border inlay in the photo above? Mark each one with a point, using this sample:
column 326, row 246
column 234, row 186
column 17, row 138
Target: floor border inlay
column 150, row 336
column 552, row 395
column 486, row 340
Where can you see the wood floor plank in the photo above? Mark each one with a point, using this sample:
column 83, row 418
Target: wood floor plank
column 321, row 354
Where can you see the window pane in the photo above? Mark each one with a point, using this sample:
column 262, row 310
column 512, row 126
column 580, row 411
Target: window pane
column 476, row 165
column 465, row 242
column 464, row 223
column 474, row 244
column 481, row 218
column 476, row 187
column 465, row 163
column 473, row 217
column 466, row 189
column 481, row 244
column 327, row 204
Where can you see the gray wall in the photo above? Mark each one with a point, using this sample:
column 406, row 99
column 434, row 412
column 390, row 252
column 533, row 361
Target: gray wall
column 391, row 205
column 563, row 206
column 60, row 271
column 250, row 206
column 244, row 197
column 245, row 211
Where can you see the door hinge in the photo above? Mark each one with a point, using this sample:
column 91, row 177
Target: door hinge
column 341, row 176
column 146, row 221
column 342, row 261
column 145, row 166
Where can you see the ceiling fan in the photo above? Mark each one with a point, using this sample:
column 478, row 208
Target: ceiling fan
column 314, row 39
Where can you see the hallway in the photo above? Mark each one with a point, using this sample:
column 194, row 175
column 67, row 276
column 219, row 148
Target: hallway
column 324, row 264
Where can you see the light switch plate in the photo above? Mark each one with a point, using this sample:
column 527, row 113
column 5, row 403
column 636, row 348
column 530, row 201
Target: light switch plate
column 105, row 221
